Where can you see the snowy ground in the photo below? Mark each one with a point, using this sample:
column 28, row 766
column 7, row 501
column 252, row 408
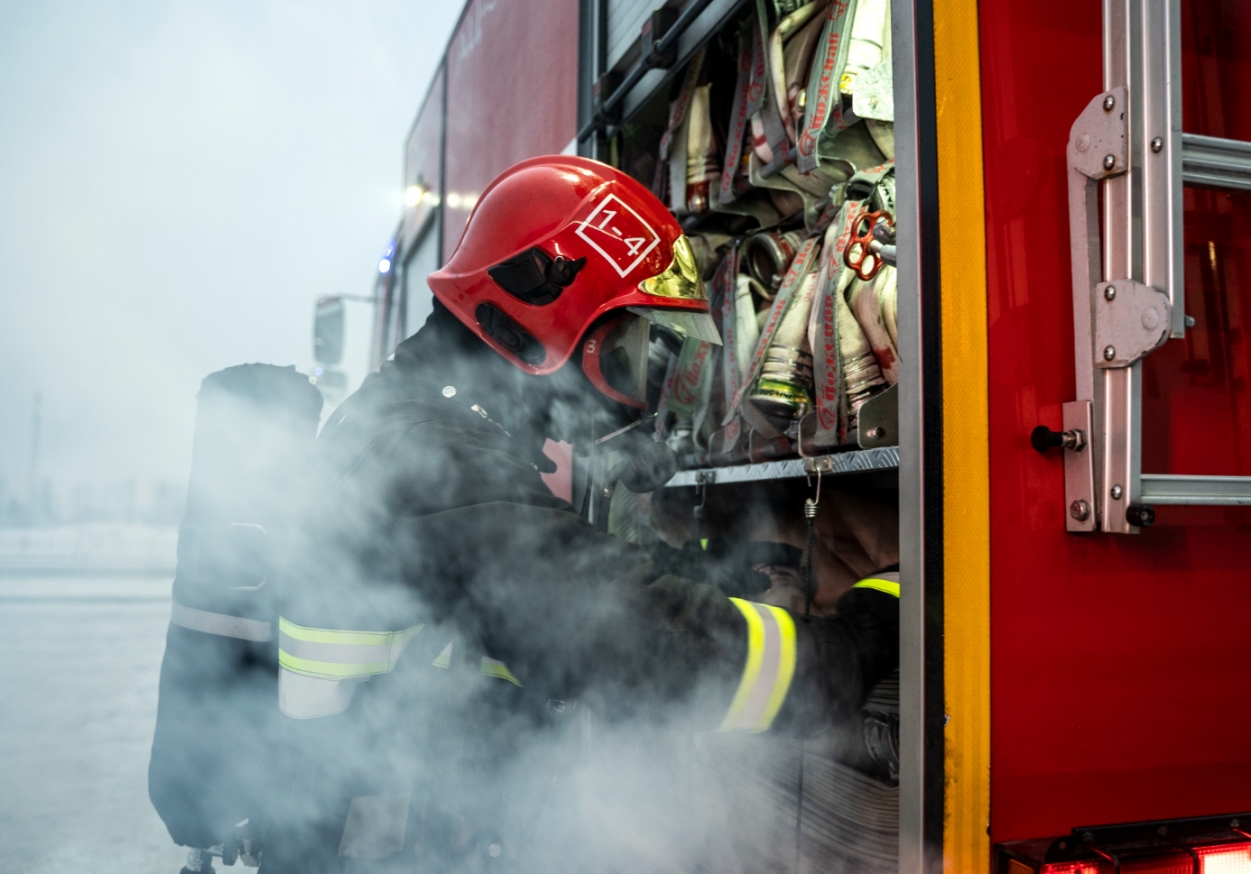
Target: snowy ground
column 79, row 658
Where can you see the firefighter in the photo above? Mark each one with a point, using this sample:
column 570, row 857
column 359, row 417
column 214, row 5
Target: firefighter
column 435, row 554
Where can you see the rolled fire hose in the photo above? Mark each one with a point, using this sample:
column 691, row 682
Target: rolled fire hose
column 784, row 388
column 766, row 257
column 862, row 375
column 702, row 166
column 866, row 302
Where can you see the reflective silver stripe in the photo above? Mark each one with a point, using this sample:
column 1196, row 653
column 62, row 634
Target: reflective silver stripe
column 303, row 697
column 375, row 826
column 338, row 653
column 221, row 624
column 341, row 653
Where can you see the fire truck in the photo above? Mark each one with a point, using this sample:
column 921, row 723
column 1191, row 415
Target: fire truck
column 1011, row 244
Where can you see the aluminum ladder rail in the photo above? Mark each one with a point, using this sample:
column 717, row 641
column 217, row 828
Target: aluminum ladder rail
column 1128, row 277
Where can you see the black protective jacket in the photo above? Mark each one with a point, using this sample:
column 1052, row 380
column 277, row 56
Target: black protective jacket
column 429, row 513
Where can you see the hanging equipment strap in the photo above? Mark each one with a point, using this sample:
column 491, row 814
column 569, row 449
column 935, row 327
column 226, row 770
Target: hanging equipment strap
column 824, row 102
column 804, row 260
column 738, row 124
column 677, row 115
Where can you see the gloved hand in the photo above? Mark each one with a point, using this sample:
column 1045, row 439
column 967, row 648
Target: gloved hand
column 730, row 566
column 840, row 658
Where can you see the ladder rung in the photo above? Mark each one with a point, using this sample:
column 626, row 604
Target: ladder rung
column 1216, row 163
column 1207, row 491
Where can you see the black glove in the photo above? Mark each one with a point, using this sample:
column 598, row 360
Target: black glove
column 840, row 658
column 725, row 564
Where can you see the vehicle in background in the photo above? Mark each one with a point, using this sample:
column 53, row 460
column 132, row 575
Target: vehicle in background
column 343, row 330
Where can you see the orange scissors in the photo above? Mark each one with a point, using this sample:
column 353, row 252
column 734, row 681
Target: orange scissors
column 858, row 252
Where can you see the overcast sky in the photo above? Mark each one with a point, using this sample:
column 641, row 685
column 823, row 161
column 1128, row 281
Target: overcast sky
column 178, row 182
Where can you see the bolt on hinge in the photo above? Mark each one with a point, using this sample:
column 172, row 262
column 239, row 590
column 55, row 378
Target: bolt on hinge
column 1099, row 140
column 1131, row 320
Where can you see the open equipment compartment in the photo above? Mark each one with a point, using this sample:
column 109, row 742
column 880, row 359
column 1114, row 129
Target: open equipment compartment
column 631, row 62
column 767, row 128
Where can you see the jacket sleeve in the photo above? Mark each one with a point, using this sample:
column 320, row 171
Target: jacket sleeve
column 568, row 608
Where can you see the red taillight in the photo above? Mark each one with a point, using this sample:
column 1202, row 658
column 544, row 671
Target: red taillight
column 1213, row 859
column 1194, row 845
column 1225, row 859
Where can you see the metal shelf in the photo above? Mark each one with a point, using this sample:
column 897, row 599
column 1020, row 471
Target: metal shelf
column 857, row 461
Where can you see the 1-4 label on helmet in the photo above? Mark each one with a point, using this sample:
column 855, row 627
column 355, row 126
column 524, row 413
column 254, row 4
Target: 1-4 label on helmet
column 619, row 234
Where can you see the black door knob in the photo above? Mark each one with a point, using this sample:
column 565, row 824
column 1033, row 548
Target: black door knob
column 1043, row 438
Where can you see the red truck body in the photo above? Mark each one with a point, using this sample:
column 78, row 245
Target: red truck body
column 1117, row 663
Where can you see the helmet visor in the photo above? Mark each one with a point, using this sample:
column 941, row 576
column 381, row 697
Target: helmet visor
column 683, row 323
column 615, row 356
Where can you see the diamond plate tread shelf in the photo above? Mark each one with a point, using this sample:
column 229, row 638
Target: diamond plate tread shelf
column 857, row 461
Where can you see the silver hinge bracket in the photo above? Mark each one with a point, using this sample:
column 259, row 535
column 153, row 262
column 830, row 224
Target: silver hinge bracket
column 1081, row 506
column 1131, row 320
column 1099, row 138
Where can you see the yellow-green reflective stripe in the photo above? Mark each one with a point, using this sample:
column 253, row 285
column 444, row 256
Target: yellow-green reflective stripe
column 769, row 669
column 351, row 638
column 890, row 587
column 496, row 668
column 444, row 658
column 751, row 671
column 332, row 670
column 339, row 654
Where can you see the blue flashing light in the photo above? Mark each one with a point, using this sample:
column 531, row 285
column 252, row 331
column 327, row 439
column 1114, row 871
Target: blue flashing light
column 384, row 266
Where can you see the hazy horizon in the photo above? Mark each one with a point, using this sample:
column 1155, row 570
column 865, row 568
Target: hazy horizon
column 178, row 184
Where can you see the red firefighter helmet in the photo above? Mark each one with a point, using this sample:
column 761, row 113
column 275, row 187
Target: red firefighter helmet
column 554, row 246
